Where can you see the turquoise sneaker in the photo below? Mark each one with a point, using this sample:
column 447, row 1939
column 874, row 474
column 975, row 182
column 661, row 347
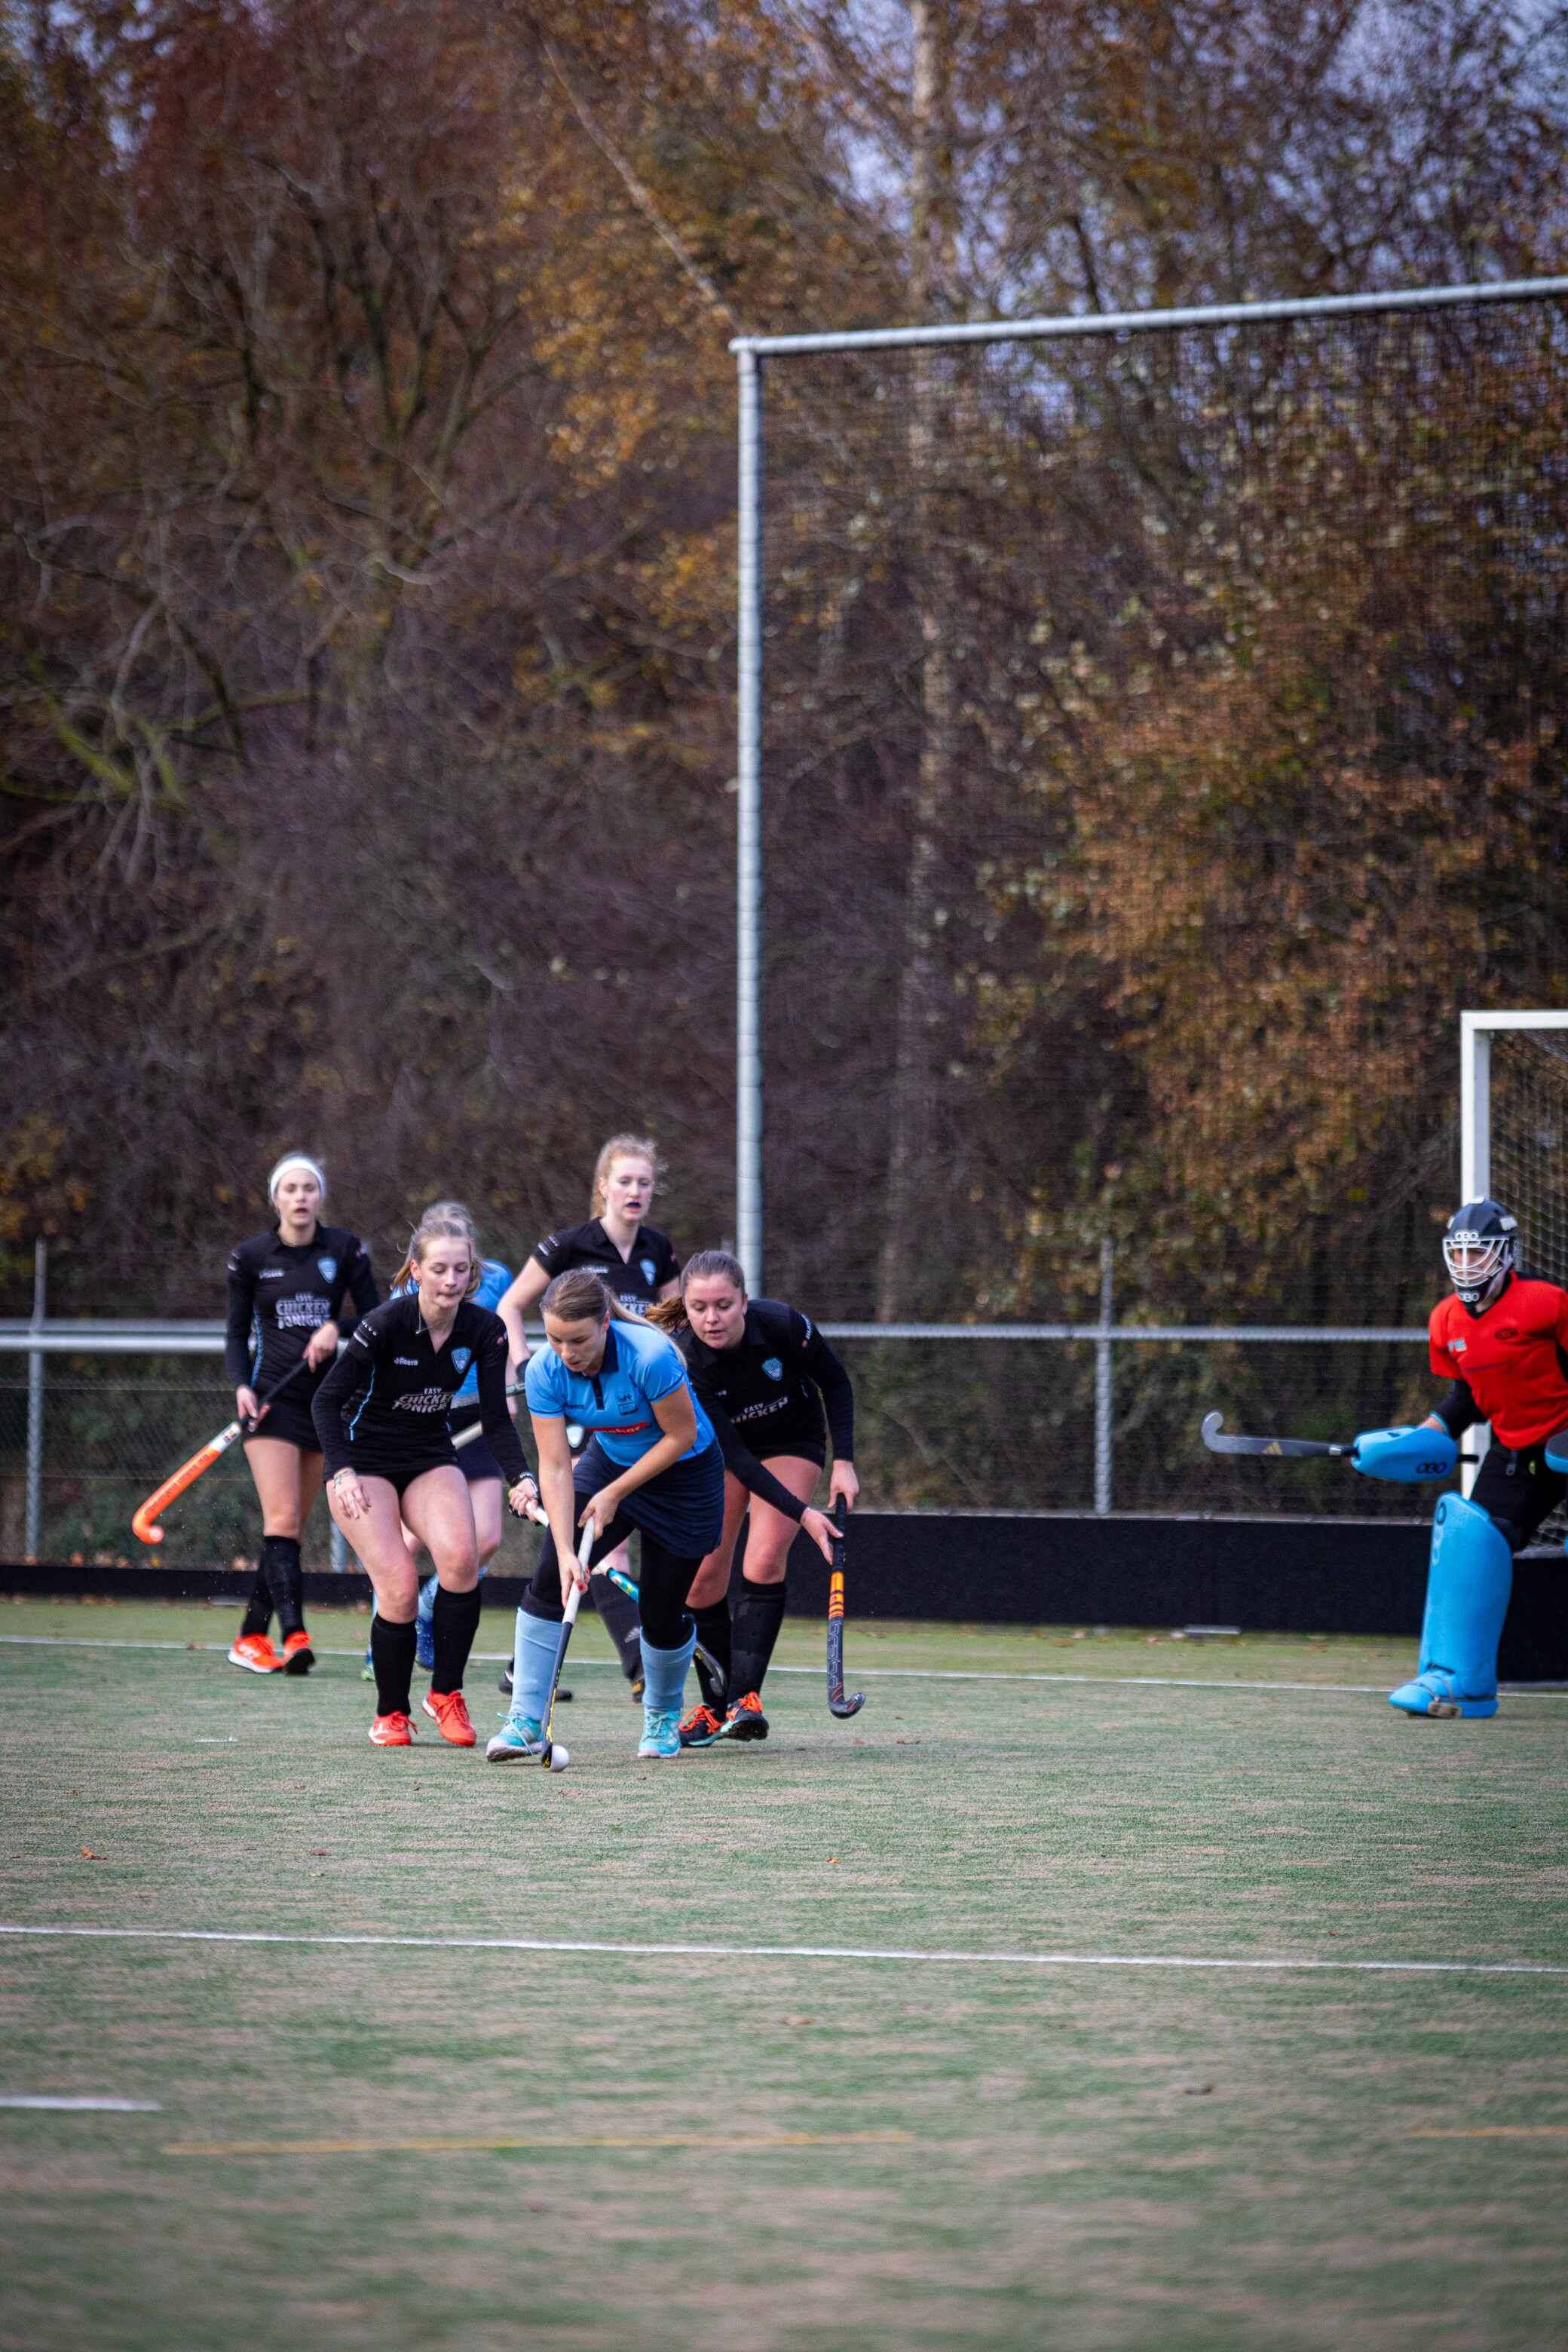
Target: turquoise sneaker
column 519, row 1740
column 660, row 1732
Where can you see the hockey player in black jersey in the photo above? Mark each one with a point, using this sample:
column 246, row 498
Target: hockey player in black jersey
column 381, row 1418
column 782, row 1390
column 287, row 1290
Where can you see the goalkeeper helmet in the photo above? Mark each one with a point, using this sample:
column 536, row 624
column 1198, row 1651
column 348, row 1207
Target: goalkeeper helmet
column 1478, row 1252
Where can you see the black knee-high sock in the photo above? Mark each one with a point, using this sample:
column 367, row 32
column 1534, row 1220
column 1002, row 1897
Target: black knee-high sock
column 391, row 1655
column 713, row 1635
column 759, row 1613
column 259, row 1611
column 619, row 1614
column 454, row 1622
column 280, row 1566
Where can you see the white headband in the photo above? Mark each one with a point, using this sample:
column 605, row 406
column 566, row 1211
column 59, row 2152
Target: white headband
column 295, row 1159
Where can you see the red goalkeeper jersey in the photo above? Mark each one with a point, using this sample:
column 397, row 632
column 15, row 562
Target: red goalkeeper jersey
column 1514, row 1359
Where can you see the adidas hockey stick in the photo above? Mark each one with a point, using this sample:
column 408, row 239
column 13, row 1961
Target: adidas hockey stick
column 1295, row 1449
column 836, row 1702
column 142, row 1523
column 554, row 1759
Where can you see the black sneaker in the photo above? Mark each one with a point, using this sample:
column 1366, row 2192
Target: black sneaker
column 745, row 1719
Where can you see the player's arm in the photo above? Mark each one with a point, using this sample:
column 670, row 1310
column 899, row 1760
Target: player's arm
column 819, row 1363
column 236, row 1333
column 754, row 1476
column 557, row 1494
column 344, row 1385
column 516, row 1303
column 1457, row 1412
column 500, row 1429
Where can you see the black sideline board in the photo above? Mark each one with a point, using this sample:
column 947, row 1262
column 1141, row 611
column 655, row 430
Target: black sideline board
column 1053, row 1567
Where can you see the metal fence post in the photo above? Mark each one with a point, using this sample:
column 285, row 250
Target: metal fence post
column 36, row 1405
column 1102, row 1439
column 749, row 831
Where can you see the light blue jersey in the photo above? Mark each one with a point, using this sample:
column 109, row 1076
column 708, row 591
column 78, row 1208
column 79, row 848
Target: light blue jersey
column 617, row 1403
column 494, row 1284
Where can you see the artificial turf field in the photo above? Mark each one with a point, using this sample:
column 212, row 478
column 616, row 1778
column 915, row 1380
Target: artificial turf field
column 816, row 2154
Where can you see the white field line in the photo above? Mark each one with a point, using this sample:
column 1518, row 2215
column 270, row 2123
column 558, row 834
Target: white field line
column 885, row 1673
column 805, row 1952
column 79, row 2106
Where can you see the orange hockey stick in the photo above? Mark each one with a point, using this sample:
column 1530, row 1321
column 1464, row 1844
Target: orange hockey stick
column 189, row 1472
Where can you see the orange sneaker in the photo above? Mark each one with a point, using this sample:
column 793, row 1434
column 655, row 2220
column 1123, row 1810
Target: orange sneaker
column 256, row 1653
column 449, row 1714
column 298, row 1656
column 392, row 1731
column 701, row 1728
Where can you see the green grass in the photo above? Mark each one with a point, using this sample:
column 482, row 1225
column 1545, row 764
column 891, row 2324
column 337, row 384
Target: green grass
column 1096, row 2156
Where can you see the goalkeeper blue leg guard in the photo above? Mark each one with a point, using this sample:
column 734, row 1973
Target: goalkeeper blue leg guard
column 1467, row 1588
column 664, row 1686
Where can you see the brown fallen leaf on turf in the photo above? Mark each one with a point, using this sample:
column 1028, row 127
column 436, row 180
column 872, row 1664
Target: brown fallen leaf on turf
column 87, row 1851
column 1197, row 2090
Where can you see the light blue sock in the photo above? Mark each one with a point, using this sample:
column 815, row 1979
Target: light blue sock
column 664, row 1674
column 427, row 1591
column 533, row 1663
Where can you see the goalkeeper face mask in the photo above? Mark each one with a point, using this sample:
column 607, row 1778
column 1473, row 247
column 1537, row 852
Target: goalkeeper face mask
column 1478, row 1252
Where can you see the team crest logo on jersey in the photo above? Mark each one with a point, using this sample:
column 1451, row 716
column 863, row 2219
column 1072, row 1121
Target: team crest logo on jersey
column 773, row 1369
column 462, row 1358
column 327, row 1267
column 648, row 1269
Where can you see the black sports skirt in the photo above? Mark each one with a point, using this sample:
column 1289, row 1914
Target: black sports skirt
column 289, row 1418
column 400, row 1469
column 682, row 1508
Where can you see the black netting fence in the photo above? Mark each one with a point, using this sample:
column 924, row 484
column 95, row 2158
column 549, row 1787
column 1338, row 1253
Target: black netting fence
column 1161, row 745
column 949, row 1425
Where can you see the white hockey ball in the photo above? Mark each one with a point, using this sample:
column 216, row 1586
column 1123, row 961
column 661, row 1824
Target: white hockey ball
column 559, row 1757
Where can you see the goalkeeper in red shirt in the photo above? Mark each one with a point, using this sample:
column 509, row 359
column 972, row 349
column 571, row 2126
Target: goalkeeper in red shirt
column 1502, row 1339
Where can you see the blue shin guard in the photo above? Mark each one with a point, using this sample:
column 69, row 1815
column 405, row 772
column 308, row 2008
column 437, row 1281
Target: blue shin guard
column 664, row 1687
column 533, row 1665
column 1467, row 1588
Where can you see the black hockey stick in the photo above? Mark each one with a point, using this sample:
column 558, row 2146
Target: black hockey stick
column 836, row 1702
column 1296, row 1449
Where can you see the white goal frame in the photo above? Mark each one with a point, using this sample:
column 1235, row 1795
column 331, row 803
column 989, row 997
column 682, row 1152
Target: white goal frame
column 1476, row 1031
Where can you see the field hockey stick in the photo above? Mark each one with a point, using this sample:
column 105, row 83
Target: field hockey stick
column 554, row 1759
column 476, row 1428
column 836, row 1702
column 142, row 1523
column 1294, row 1449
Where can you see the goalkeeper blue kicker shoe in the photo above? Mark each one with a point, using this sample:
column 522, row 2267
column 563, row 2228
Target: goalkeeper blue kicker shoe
column 1436, row 1693
column 519, row 1740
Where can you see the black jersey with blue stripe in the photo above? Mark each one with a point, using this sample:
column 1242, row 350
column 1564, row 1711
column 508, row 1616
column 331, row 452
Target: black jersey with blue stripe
column 388, row 1395
column 633, row 1282
column 775, row 1382
column 280, row 1293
